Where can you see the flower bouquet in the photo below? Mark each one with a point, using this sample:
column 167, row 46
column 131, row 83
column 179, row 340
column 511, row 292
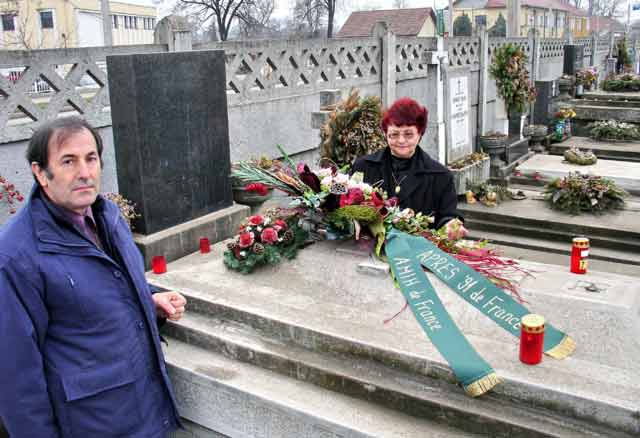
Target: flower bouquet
column 264, row 239
column 329, row 204
column 578, row 193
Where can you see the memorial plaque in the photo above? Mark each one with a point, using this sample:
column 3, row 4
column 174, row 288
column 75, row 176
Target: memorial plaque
column 460, row 143
column 171, row 135
column 573, row 59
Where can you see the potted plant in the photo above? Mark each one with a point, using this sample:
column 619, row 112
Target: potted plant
column 470, row 169
column 580, row 82
column 509, row 69
column 563, row 123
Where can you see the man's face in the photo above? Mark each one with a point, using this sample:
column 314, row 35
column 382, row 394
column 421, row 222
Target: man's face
column 73, row 177
column 403, row 140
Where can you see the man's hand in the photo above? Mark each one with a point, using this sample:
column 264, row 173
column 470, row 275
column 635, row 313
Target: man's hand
column 169, row 305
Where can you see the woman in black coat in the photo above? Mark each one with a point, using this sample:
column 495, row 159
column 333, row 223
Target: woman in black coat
column 407, row 172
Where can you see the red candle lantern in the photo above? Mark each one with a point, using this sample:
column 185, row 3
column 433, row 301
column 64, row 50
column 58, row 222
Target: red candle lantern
column 579, row 254
column 205, row 246
column 159, row 265
column 531, row 339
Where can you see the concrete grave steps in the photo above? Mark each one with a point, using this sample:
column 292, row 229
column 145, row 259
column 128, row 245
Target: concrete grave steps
column 623, row 151
column 319, row 315
column 549, row 167
column 240, row 400
column 386, row 387
column 614, row 236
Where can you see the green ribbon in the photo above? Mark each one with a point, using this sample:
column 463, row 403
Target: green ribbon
column 432, row 316
column 406, row 255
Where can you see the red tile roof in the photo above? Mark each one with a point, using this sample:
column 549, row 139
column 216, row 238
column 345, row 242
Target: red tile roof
column 403, row 22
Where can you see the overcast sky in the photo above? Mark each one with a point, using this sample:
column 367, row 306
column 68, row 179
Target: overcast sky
column 345, row 7
column 283, row 7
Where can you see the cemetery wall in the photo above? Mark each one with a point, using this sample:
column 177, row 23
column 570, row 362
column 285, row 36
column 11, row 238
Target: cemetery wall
column 272, row 89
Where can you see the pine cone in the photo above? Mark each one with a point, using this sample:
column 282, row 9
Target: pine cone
column 258, row 248
column 288, row 236
column 232, row 245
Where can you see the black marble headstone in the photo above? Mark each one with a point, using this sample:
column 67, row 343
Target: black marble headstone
column 171, row 135
column 573, row 59
column 545, row 93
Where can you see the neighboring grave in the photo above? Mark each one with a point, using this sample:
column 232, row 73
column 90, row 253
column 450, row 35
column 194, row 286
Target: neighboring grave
column 543, row 107
column 171, row 137
column 573, row 59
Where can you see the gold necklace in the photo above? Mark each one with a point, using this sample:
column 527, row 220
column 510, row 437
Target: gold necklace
column 398, row 183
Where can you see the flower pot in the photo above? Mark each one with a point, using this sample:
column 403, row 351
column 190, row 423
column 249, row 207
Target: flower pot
column 252, row 199
column 579, row 90
column 495, row 146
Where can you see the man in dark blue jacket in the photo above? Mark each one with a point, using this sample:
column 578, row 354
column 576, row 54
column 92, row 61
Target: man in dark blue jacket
column 79, row 346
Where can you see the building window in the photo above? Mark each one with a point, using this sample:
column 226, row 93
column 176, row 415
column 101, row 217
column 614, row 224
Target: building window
column 8, row 23
column 115, row 21
column 46, row 19
column 135, row 22
column 127, row 22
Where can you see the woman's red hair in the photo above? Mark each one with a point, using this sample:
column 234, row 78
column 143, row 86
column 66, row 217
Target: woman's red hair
column 405, row 112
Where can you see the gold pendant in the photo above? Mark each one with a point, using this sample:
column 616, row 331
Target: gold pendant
column 397, row 189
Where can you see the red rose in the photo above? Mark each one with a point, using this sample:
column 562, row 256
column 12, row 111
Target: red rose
column 280, row 225
column 256, row 220
column 353, row 197
column 245, row 240
column 377, row 200
column 269, row 235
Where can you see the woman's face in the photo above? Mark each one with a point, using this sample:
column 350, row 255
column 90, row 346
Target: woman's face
column 403, row 140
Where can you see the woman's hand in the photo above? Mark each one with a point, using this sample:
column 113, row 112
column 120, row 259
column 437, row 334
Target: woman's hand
column 455, row 229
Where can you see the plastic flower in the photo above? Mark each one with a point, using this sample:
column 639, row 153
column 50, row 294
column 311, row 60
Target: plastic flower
column 269, row 235
column 256, row 220
column 246, row 239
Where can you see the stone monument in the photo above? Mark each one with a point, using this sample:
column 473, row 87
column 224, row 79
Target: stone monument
column 171, row 137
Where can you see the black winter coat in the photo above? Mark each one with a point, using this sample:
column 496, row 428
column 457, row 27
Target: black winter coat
column 428, row 188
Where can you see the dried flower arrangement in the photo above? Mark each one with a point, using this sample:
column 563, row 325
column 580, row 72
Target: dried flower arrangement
column 577, row 193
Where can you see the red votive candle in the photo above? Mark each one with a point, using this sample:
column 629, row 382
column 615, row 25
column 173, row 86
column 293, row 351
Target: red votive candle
column 579, row 254
column 159, row 265
column 205, row 247
column 531, row 339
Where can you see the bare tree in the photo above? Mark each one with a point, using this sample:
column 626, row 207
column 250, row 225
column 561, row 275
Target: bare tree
column 577, row 3
column 308, row 17
column 255, row 18
column 606, row 8
column 314, row 8
column 222, row 12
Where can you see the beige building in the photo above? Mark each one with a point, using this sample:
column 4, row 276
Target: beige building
column 44, row 24
column 548, row 17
